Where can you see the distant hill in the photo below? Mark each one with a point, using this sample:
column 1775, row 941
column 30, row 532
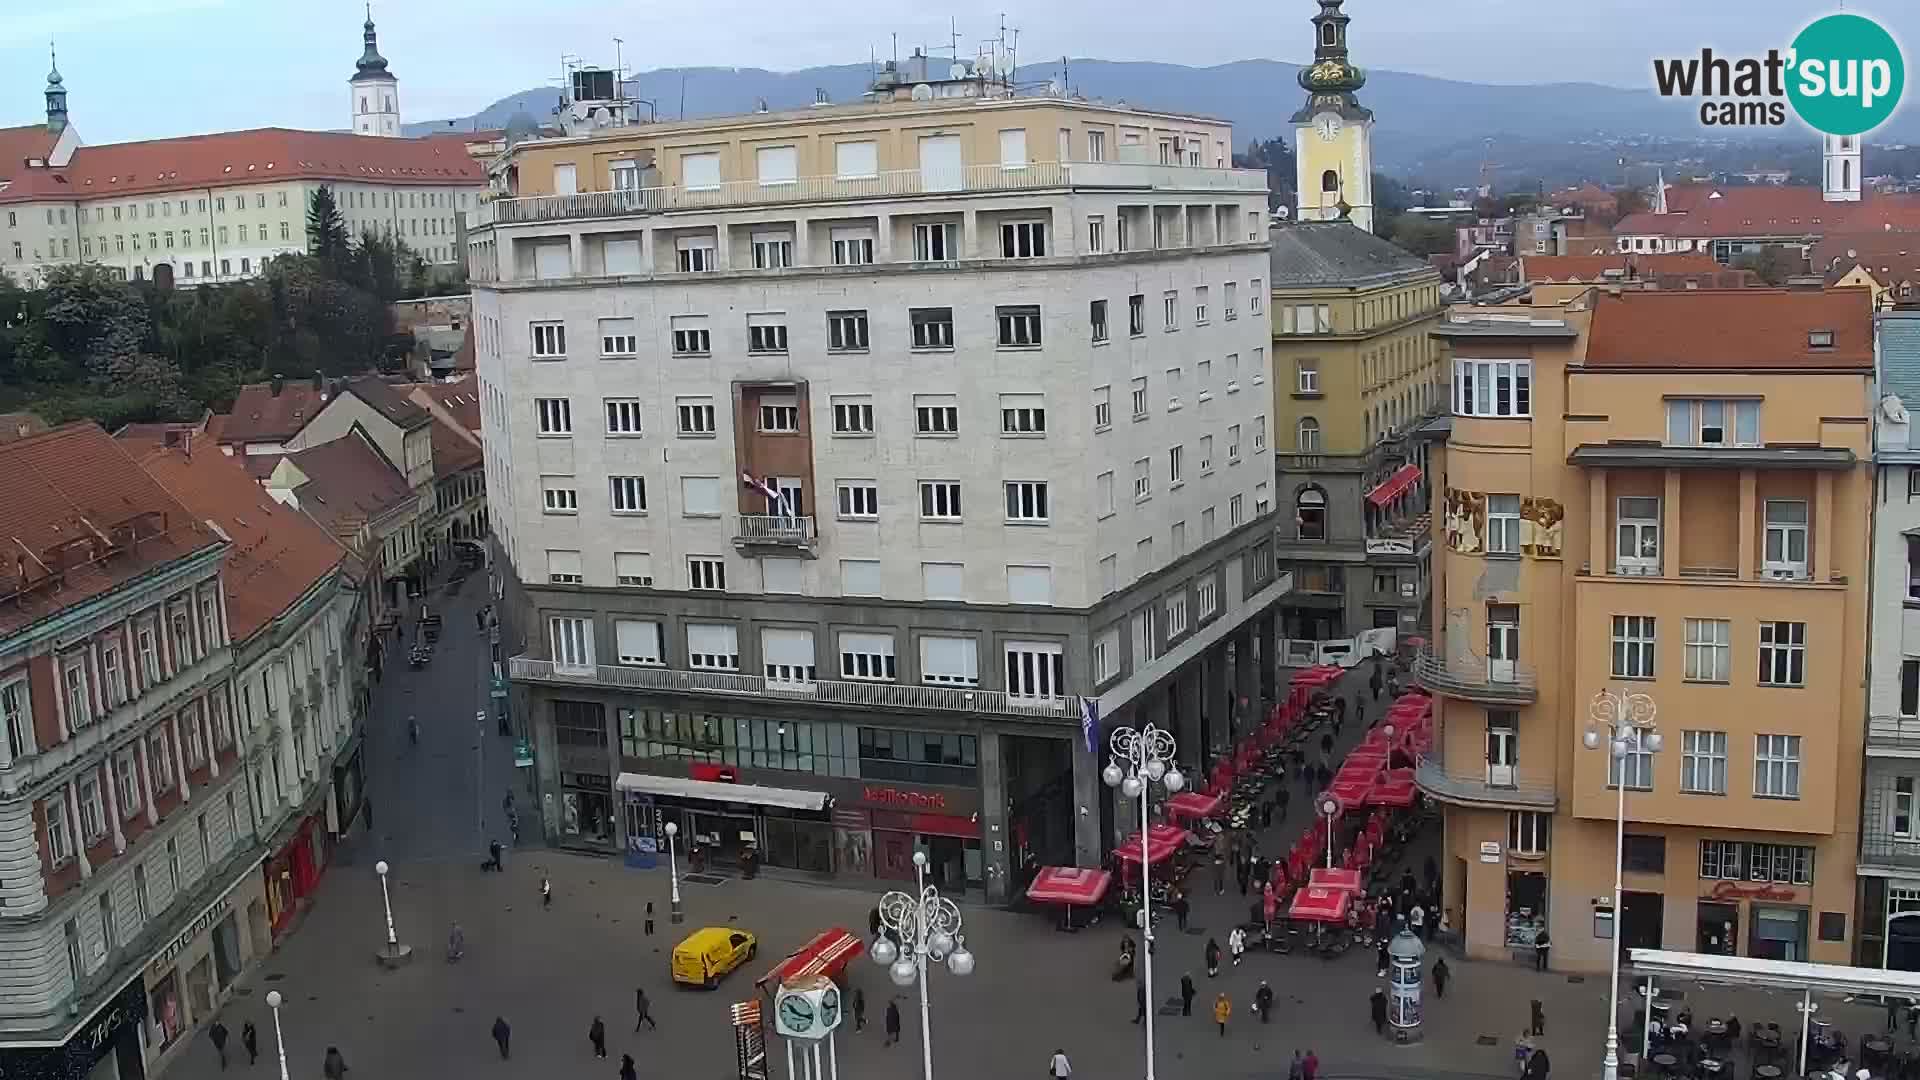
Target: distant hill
column 1419, row 118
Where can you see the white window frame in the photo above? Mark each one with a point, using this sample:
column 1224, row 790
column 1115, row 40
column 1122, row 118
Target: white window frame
column 772, row 250
column 61, row 843
column 571, row 639
column 623, row 417
column 1709, row 650
column 1776, row 766
column 1493, row 388
column 1529, row 832
column 1023, row 239
column 627, row 495
column 695, row 254
column 936, row 415
column 1783, row 653
column 851, row 245
column 713, row 646
column 1636, row 763
column 16, row 717
column 857, row 500
column 936, row 241
column 1102, row 408
column 1027, row 502
column 867, row 657
column 1019, row 326
column 692, row 336
column 1176, row 615
column 1902, row 809
column 1703, row 762
column 779, row 416
column 1781, row 536
column 852, row 415
column 1635, row 647
column 929, row 330
column 1307, row 375
column 1034, row 671
column 1503, row 524
column 695, row 417
column 1713, row 422
column 847, row 331
column 647, row 632
column 1637, row 520
column 559, row 496
column 554, row 416
column 1023, row 415
column 549, row 340
column 940, row 500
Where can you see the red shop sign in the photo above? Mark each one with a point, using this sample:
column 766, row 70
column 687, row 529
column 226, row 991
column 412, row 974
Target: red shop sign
column 1731, row 890
column 913, row 800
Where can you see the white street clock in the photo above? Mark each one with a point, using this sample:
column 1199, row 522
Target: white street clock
column 807, row 1008
column 1327, row 125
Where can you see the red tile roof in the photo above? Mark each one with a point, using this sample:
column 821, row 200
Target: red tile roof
column 348, row 483
column 1704, row 211
column 260, row 415
column 1889, row 256
column 259, row 156
column 18, row 144
column 389, row 401
column 1595, row 268
column 1734, row 329
column 278, row 553
column 459, row 397
column 75, row 510
column 453, row 452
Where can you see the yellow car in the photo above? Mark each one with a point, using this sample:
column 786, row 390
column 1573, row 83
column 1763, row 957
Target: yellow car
column 707, row 954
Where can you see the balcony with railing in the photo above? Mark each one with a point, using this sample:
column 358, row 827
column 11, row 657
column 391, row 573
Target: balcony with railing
column 1481, row 783
column 900, row 697
column 792, row 533
column 892, row 184
column 1894, row 736
column 1476, row 678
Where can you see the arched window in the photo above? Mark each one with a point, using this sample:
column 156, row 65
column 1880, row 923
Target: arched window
column 1310, row 513
column 1846, row 176
column 363, row 103
column 1327, row 34
column 1329, row 181
column 1309, row 438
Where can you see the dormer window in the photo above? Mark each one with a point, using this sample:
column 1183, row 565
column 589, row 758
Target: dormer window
column 1819, row 339
column 1712, row 422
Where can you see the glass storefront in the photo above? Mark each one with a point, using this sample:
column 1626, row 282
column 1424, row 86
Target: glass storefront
column 1526, row 907
column 168, row 1012
column 822, row 748
column 1779, row 933
column 797, row 844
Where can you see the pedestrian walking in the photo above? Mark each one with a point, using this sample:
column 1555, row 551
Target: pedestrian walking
column 218, row 1033
column 493, row 856
column 892, row 1020
column 1407, row 884
column 1417, row 921
column 1263, row 1002
column 1285, row 796
column 859, row 1009
column 1309, row 1065
column 1180, row 909
column 1441, row 973
column 1219, row 875
column 1187, row 994
column 1294, row 1070
column 250, row 1039
column 502, row 1036
column 1237, row 944
column 1380, row 959
column 649, row 918
column 626, row 1068
column 642, row 1009
column 1059, row 1067
column 1140, row 1000
column 546, row 893
column 1322, row 776
column 1537, row 1018
column 1242, row 873
column 1213, row 958
column 1222, row 1009
column 1326, row 744
column 1541, row 944
column 597, row 1035
column 335, row 1067
column 1913, row 1018
column 1377, row 1006
column 1266, row 814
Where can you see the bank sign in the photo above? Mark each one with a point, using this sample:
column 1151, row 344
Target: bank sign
column 1843, row 75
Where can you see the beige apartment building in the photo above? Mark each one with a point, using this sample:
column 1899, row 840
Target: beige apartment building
column 1665, row 494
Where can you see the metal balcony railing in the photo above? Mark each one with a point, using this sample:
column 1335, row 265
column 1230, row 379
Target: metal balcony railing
column 1880, row 850
column 781, row 529
column 896, row 183
column 905, row 697
column 1479, row 784
column 1476, row 678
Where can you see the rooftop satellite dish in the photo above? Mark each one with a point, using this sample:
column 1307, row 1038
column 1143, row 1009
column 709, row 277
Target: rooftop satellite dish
column 922, row 92
column 957, row 71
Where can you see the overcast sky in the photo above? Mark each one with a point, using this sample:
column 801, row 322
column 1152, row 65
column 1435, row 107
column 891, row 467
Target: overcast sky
column 151, row 68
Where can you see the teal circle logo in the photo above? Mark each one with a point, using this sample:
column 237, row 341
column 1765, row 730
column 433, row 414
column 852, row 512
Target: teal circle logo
column 1846, row 75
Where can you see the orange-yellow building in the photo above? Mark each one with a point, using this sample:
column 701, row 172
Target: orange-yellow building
column 1669, row 494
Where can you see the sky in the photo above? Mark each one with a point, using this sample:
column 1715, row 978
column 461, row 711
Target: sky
column 140, row 69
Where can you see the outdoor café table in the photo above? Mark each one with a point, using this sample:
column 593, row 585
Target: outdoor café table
column 1666, row 1062
column 1767, row 1072
column 1879, row 1044
column 1712, row 1066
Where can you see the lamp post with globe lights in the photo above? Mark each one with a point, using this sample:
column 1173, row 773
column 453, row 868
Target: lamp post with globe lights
column 394, row 954
column 927, row 927
column 1620, row 722
column 1141, row 757
column 1329, row 809
column 274, row 999
column 673, row 877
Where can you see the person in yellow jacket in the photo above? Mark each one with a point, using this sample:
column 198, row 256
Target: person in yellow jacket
column 1222, row 1009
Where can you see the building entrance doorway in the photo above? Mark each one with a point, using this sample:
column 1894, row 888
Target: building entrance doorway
column 1641, row 921
column 1719, row 931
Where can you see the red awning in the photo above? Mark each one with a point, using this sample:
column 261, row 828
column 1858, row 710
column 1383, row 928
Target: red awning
column 1394, row 486
column 1069, row 885
column 1392, row 793
column 1335, row 878
column 1317, row 904
column 1163, row 841
column 1192, row 804
column 827, row 954
column 1350, row 793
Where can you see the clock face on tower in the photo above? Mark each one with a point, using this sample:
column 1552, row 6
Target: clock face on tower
column 1328, row 126
column 796, row 1013
column 830, row 1007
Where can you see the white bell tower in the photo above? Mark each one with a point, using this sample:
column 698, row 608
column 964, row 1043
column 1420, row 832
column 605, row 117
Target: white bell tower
column 1840, row 168
column 373, row 91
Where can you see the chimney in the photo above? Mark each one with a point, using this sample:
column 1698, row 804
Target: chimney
column 278, row 384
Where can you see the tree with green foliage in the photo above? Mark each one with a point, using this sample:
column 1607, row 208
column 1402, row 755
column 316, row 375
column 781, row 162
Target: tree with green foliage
column 1772, row 264
column 327, row 237
column 1423, row 237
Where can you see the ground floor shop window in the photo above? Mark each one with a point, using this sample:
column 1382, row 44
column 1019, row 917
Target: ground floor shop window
column 1719, row 929
column 1526, row 907
column 798, row 844
column 1903, row 929
column 717, row 839
column 168, row 1012
column 586, row 816
column 1779, row 933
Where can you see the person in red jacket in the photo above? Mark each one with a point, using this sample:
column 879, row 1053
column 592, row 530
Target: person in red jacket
column 1309, row 1066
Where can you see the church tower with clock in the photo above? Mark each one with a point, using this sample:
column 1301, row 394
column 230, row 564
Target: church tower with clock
column 1333, row 134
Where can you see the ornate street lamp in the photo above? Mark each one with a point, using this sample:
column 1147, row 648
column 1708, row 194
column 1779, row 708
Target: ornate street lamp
column 1140, row 758
column 280, row 1044
column 927, row 926
column 1621, row 722
column 673, row 876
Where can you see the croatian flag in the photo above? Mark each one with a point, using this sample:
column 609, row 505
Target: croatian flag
column 763, row 487
column 1090, row 722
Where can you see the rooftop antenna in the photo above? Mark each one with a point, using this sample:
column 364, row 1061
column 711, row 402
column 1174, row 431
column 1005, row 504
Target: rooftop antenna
column 953, row 37
column 683, row 95
column 896, row 50
column 619, row 70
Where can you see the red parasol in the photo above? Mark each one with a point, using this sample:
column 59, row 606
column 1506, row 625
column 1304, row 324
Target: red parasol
column 1163, row 841
column 1315, row 904
column 1071, row 885
column 1392, row 793
column 1193, row 805
column 1324, row 878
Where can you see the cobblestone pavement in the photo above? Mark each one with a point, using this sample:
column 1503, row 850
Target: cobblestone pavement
column 550, row 972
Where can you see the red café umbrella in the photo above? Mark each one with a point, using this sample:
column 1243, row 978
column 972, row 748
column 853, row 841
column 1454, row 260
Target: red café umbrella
column 1338, row 878
column 1071, row 885
column 1318, row 904
column 1392, row 793
column 1193, row 805
column 1350, row 792
column 1365, row 757
column 1162, row 842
